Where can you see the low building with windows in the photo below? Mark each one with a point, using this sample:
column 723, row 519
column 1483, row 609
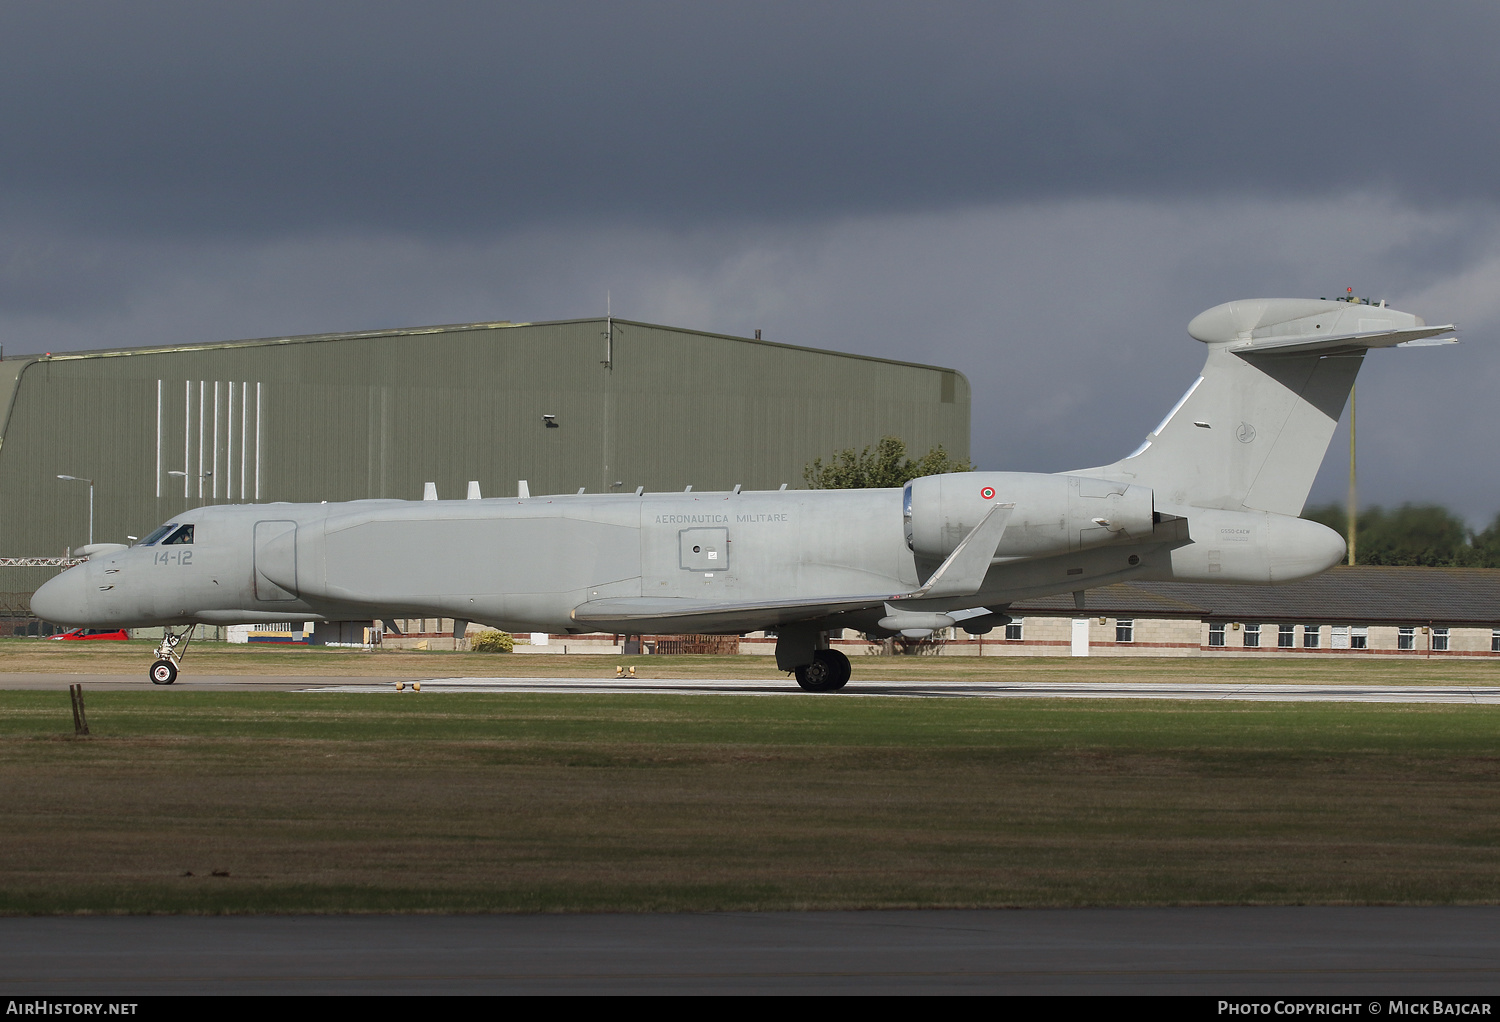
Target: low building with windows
column 1363, row 611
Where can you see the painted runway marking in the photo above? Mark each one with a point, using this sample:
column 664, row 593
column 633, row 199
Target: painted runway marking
column 960, row 690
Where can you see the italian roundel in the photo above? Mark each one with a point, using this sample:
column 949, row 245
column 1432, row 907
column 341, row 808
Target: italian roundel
column 988, row 493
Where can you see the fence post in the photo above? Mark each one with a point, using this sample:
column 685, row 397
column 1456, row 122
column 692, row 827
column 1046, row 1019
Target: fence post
column 80, row 720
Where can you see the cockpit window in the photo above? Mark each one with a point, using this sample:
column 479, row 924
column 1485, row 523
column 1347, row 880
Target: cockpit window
column 158, row 533
column 182, row 535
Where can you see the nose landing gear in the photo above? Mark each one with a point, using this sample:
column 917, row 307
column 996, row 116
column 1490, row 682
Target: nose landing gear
column 169, row 656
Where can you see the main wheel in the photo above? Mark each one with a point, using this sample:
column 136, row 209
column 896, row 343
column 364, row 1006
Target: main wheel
column 163, row 672
column 828, row 672
column 813, row 677
column 840, row 666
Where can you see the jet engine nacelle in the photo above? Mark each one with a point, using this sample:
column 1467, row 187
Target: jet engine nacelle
column 1054, row 513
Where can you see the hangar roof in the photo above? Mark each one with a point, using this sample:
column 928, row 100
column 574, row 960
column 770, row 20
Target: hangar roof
column 420, row 331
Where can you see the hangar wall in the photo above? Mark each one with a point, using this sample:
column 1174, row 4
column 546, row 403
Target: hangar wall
column 347, row 416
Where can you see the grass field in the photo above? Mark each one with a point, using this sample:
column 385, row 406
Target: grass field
column 352, row 803
column 132, row 658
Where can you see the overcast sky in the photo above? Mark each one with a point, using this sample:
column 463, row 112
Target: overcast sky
column 1040, row 195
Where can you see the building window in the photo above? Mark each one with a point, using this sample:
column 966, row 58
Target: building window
column 1252, row 636
column 1406, row 637
column 1125, row 629
column 1309, row 636
column 1013, row 630
column 1440, row 640
column 1216, row 634
column 1495, row 640
column 1359, row 637
column 1286, row 636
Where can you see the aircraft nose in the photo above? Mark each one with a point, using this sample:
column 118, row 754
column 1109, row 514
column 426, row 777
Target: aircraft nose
column 63, row 600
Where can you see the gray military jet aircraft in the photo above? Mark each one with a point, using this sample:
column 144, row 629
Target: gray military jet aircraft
column 1213, row 494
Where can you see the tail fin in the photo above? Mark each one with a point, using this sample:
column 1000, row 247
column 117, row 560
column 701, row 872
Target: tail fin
column 1252, row 431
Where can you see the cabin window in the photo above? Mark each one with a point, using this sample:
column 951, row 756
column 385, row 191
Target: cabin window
column 1406, row 637
column 1286, row 636
column 182, row 536
column 1125, row 629
column 158, row 533
column 1309, row 636
column 1013, row 631
column 1440, row 640
column 1216, row 634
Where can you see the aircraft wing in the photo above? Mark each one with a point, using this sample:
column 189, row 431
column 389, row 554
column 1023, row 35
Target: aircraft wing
column 962, row 574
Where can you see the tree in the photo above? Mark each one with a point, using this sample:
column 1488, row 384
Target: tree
column 1486, row 546
column 1335, row 516
column 1419, row 534
column 886, row 466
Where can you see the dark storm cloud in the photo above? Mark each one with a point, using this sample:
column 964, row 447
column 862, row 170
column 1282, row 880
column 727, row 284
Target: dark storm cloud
column 268, row 118
column 1040, row 195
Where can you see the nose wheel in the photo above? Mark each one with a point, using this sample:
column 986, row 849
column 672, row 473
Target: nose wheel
column 169, row 655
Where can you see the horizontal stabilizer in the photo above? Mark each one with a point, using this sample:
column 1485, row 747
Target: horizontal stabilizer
column 1341, row 342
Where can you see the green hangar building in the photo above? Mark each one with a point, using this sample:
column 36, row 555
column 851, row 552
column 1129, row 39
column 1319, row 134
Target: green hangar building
column 606, row 405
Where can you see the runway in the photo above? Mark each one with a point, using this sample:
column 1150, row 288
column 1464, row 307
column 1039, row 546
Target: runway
column 1358, row 952
column 927, row 689
column 968, row 690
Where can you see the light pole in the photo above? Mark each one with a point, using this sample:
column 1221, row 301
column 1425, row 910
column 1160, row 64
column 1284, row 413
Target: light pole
column 80, row 479
column 1353, row 502
column 200, row 476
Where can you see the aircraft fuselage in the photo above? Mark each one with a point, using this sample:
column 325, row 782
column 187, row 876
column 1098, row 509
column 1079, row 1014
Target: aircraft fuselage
column 560, row 563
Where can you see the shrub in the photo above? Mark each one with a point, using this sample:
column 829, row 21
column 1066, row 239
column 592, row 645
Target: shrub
column 492, row 642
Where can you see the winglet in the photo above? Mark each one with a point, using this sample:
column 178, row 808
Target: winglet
column 962, row 574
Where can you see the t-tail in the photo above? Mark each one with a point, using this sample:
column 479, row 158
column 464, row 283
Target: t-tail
column 1251, row 432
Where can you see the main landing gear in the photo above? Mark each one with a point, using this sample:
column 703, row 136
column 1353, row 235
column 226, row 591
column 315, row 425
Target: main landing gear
column 802, row 650
column 828, row 672
column 169, row 656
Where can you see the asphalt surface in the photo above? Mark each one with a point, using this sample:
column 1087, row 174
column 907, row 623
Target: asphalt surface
column 1279, row 693
column 1356, row 952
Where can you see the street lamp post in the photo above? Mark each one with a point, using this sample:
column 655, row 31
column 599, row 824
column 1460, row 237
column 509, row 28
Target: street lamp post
column 80, row 479
column 188, row 474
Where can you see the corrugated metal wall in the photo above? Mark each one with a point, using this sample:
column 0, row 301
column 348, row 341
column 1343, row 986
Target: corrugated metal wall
column 375, row 415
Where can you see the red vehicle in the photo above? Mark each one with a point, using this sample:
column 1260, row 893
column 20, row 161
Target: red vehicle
column 117, row 635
